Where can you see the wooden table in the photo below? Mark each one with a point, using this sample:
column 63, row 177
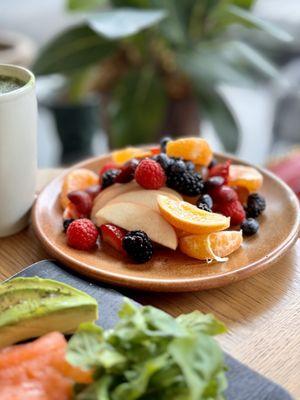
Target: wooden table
column 262, row 313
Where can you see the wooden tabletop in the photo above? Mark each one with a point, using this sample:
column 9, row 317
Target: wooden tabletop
column 262, row 313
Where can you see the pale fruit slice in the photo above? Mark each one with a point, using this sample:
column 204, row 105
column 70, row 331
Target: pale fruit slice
column 132, row 216
column 194, row 149
column 110, row 193
column 246, row 177
column 212, row 246
column 189, row 218
column 146, row 198
column 124, row 155
column 78, row 179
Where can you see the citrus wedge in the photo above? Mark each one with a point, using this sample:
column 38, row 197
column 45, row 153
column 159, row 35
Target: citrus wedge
column 246, row 177
column 78, row 179
column 124, row 155
column 213, row 246
column 193, row 149
column 189, row 218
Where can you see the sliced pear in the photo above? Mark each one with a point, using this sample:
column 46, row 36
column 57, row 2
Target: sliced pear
column 133, row 216
column 109, row 193
column 146, row 198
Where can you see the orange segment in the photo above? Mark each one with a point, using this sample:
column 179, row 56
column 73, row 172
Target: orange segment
column 216, row 245
column 246, row 177
column 124, row 155
column 78, row 179
column 193, row 149
column 189, row 218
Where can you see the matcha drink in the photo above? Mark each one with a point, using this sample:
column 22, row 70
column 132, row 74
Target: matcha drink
column 8, row 84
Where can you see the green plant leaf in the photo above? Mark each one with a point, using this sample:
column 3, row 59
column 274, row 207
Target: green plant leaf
column 137, row 108
column 254, row 21
column 71, row 50
column 123, row 22
column 219, row 113
column 83, row 5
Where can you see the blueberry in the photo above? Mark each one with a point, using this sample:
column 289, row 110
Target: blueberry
column 190, row 166
column 67, row 222
column 249, row 227
column 205, row 199
column 163, row 143
column 203, row 206
column 163, row 160
column 212, row 163
column 178, row 167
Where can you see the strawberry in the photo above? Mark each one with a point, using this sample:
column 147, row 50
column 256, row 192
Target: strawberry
column 221, row 170
column 82, row 201
column 82, row 234
column 149, row 174
column 232, row 209
column 113, row 235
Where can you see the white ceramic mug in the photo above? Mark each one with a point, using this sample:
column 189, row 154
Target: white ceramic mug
column 18, row 154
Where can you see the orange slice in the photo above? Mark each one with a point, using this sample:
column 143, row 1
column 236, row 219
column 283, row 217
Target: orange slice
column 193, row 149
column 189, row 218
column 124, row 155
column 214, row 246
column 246, row 177
column 78, row 179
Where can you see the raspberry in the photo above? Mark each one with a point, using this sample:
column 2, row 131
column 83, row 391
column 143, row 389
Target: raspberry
column 149, row 174
column 138, row 246
column 109, row 177
column 82, row 234
column 82, row 201
column 249, row 227
column 256, row 204
column 223, row 194
column 221, row 170
column 233, row 209
column 127, row 171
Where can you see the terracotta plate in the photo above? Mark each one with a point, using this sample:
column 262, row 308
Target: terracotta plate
column 171, row 271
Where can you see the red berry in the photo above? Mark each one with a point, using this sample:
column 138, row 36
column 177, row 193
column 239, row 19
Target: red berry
column 127, row 171
column 106, row 167
column 221, row 170
column 149, row 174
column 93, row 191
column 223, row 194
column 82, row 201
column 113, row 235
column 82, row 234
column 233, row 209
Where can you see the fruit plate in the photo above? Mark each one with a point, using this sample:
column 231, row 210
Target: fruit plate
column 172, row 271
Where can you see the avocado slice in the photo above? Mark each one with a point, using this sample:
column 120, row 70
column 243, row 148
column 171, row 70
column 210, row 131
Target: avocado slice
column 31, row 307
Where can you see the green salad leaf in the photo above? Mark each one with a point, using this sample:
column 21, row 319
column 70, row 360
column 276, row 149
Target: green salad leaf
column 151, row 355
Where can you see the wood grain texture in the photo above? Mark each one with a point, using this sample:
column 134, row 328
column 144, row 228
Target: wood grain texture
column 262, row 313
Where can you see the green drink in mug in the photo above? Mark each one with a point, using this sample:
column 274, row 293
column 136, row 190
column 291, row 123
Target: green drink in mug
column 18, row 154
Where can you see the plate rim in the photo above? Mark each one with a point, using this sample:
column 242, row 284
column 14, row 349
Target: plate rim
column 169, row 285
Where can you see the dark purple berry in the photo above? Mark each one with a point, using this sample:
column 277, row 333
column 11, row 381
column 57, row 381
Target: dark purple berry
column 213, row 183
column 138, row 246
column 67, row 222
column 205, row 199
column 249, row 226
column 163, row 143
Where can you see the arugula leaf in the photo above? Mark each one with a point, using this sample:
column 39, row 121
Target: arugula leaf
column 150, row 354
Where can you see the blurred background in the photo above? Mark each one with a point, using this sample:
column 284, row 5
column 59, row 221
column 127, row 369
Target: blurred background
column 112, row 73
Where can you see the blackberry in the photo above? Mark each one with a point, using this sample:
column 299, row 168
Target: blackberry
column 187, row 183
column 205, row 199
column 203, row 206
column 256, row 204
column 138, row 246
column 249, row 226
column 109, row 177
column 163, row 160
column 67, row 222
column 163, row 143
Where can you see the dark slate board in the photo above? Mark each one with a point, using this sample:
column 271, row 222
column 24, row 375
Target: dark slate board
column 244, row 383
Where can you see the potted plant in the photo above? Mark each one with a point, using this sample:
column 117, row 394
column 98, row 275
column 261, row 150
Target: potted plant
column 158, row 65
